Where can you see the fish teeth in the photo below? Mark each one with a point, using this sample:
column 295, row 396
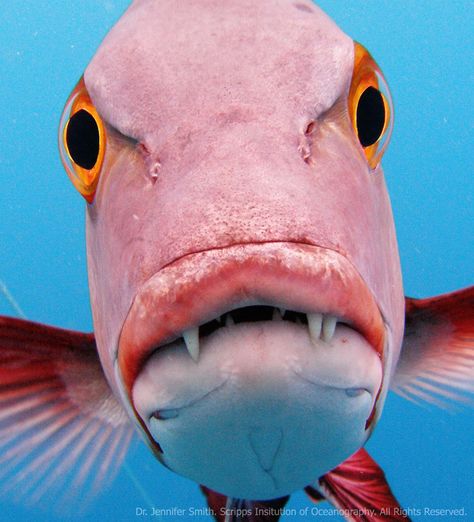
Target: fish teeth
column 329, row 327
column 191, row 339
column 277, row 315
column 315, row 322
column 321, row 327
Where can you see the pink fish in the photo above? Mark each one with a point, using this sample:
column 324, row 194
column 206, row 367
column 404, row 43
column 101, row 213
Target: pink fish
column 249, row 315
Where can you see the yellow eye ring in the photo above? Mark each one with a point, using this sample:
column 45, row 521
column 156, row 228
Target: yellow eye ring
column 82, row 141
column 370, row 106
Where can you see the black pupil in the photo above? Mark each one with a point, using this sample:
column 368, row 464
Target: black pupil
column 370, row 116
column 82, row 138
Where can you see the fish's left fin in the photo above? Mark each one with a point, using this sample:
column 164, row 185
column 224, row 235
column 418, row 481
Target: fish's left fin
column 62, row 432
column 437, row 360
column 226, row 509
column 359, row 489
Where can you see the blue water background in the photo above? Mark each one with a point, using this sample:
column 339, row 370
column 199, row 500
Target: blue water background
column 425, row 48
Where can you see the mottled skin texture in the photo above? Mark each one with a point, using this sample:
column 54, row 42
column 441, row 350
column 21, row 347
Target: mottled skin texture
column 207, row 106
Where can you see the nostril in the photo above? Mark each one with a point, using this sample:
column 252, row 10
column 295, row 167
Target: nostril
column 310, row 128
column 152, row 161
column 306, row 142
column 154, row 170
column 143, row 149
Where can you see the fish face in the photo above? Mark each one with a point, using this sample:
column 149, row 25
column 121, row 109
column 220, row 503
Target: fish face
column 234, row 184
column 237, row 383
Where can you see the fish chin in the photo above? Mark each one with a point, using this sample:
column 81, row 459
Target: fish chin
column 265, row 410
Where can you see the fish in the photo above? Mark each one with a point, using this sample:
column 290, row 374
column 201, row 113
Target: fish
column 264, row 221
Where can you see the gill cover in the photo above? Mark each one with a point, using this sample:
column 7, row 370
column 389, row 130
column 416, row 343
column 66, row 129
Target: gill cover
column 82, row 141
column 370, row 106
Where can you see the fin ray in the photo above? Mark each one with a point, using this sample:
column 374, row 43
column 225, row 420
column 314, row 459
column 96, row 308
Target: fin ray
column 437, row 359
column 359, row 488
column 62, row 431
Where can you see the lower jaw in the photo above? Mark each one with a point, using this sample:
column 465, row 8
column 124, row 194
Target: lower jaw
column 309, row 438
column 264, row 416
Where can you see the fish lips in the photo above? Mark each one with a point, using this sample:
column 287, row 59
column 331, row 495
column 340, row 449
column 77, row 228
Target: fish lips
column 199, row 287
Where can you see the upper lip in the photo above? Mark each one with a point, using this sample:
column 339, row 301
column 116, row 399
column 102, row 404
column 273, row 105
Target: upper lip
column 198, row 287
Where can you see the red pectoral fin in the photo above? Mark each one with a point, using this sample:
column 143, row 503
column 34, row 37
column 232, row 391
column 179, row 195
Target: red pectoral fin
column 227, row 509
column 437, row 360
column 60, row 424
column 358, row 488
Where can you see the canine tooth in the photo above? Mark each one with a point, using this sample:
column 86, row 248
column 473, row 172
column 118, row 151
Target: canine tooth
column 329, row 327
column 282, row 311
column 315, row 322
column 191, row 338
column 228, row 320
column 276, row 315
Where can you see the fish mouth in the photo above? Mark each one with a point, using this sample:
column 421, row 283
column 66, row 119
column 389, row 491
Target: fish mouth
column 199, row 293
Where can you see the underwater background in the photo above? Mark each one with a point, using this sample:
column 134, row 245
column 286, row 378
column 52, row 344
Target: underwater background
column 425, row 49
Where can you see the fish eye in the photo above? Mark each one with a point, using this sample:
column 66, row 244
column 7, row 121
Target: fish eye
column 82, row 141
column 370, row 106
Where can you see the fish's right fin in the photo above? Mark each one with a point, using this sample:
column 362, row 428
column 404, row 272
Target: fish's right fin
column 62, row 431
column 226, row 509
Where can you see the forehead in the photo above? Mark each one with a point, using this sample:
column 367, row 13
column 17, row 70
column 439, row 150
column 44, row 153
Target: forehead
column 170, row 60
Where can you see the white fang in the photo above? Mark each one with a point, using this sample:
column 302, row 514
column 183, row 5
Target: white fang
column 329, row 327
column 315, row 322
column 191, row 338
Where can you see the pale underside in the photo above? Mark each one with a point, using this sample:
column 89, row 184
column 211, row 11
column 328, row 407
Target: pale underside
column 265, row 411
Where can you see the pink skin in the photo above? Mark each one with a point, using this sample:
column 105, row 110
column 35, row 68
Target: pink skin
column 207, row 106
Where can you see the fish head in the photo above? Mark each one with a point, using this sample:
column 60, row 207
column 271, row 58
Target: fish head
column 243, row 266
